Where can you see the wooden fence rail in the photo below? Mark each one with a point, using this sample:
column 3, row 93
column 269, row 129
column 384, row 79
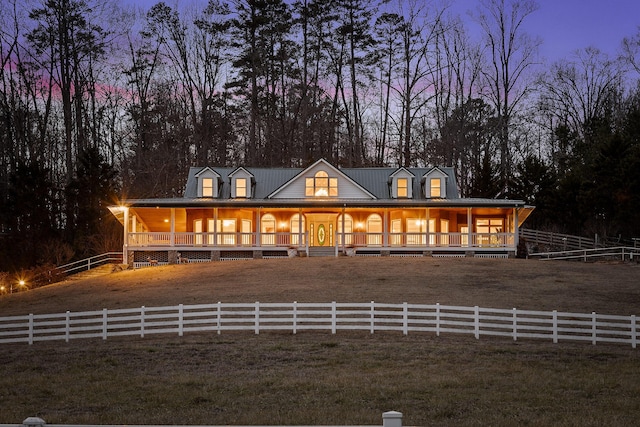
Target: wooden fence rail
column 294, row 317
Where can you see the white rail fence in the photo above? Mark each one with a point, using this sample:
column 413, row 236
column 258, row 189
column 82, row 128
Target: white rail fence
column 295, row 317
column 613, row 253
column 389, row 419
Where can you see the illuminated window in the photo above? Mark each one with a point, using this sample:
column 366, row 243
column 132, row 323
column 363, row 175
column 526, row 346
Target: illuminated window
column 241, row 187
column 348, row 229
column 268, row 229
column 435, row 187
column 207, row 187
column 374, row 230
column 403, row 187
column 297, row 227
column 321, row 186
column 493, row 225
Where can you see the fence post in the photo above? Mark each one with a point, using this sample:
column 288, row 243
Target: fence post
column 405, row 319
column 333, row 317
column 34, row 422
column 373, row 316
column 219, row 323
column 634, row 337
column 555, row 326
column 257, row 321
column 594, row 328
column 295, row 317
column 30, row 328
column 392, row 419
column 67, row 326
column 104, row 324
column 476, row 321
column 437, row 319
column 180, row 320
column 515, row 324
column 142, row 322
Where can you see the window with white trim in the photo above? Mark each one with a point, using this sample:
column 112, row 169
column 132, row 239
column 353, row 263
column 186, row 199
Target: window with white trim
column 403, row 188
column 241, row 187
column 435, row 187
column 207, row 187
column 321, row 185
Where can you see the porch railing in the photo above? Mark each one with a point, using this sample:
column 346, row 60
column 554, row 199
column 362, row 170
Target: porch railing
column 358, row 239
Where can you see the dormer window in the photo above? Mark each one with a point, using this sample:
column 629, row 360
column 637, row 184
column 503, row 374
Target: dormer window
column 403, row 188
column 435, row 187
column 208, row 183
column 434, row 184
column 321, row 185
column 241, row 187
column 401, row 184
column 207, row 187
column 241, row 181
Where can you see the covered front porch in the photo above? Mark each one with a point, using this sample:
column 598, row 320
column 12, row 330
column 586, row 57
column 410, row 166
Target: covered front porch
column 197, row 234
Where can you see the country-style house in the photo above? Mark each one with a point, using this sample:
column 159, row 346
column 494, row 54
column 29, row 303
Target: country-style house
column 231, row 213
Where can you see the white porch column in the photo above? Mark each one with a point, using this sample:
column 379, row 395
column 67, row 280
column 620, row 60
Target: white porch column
column 125, row 243
column 300, row 227
column 516, row 233
column 342, row 228
column 469, row 227
column 258, row 228
column 428, row 228
column 215, row 227
column 172, row 238
column 385, row 228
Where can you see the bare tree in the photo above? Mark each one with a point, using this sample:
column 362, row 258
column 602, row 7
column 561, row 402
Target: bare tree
column 510, row 54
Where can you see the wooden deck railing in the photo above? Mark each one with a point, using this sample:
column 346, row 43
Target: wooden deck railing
column 358, row 239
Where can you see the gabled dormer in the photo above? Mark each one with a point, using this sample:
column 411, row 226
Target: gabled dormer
column 401, row 184
column 319, row 181
column 209, row 183
column 242, row 183
column 434, row 184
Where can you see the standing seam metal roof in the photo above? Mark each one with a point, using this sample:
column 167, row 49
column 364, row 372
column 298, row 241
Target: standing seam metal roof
column 268, row 180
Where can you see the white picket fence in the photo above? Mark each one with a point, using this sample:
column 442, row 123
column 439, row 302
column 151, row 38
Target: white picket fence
column 294, row 317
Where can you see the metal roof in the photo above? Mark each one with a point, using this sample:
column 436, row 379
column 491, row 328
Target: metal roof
column 268, row 180
column 375, row 180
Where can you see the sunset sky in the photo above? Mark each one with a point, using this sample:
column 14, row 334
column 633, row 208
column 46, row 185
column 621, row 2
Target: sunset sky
column 564, row 25
column 568, row 25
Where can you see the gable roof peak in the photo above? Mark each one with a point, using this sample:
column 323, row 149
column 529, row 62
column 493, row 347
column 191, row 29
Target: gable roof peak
column 205, row 170
column 241, row 169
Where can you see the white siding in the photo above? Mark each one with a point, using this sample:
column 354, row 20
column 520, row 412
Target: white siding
column 346, row 188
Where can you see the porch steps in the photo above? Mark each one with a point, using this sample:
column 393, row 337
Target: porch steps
column 318, row 251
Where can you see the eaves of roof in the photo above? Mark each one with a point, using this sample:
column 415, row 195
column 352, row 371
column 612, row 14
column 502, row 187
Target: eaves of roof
column 326, row 203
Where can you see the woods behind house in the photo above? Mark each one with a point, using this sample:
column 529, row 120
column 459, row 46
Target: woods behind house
column 101, row 99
